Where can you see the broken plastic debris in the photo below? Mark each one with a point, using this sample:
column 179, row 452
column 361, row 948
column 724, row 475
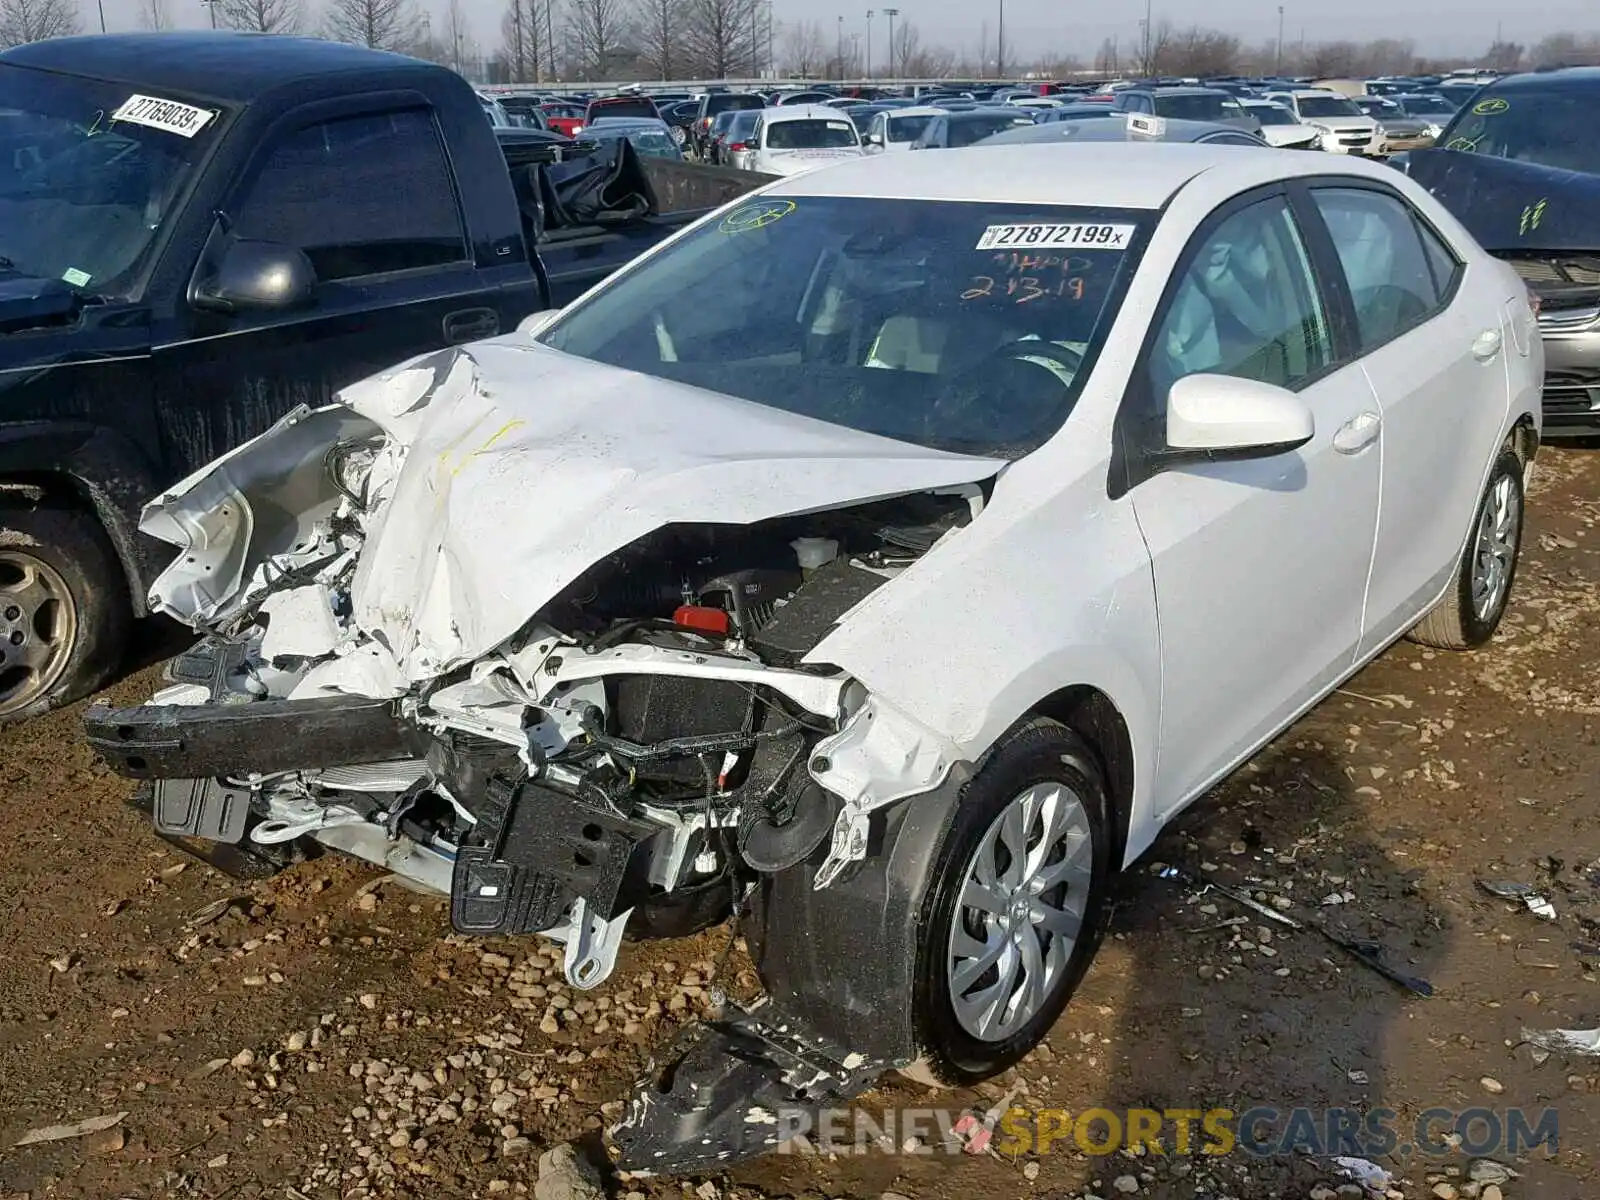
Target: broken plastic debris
column 1565, row 1041
column 1368, row 1174
column 1486, row 1171
column 60, row 1133
column 1535, row 901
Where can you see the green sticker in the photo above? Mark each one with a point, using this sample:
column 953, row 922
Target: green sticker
column 75, row 277
column 1532, row 216
column 1490, row 107
column 756, row 215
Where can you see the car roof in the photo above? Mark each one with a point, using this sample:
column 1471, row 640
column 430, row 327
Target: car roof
column 1113, row 131
column 1258, row 102
column 1187, row 89
column 799, row 112
column 983, row 110
column 221, row 65
column 1102, row 174
column 917, row 110
column 1582, row 77
column 627, row 123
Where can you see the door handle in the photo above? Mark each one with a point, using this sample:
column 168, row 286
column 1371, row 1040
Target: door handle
column 1487, row 345
column 470, row 324
column 1359, row 432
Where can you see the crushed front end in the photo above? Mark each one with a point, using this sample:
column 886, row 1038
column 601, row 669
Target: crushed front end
column 650, row 750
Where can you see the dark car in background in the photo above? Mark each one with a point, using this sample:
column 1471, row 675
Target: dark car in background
column 1519, row 166
column 952, row 129
column 653, row 139
column 621, row 106
column 711, row 104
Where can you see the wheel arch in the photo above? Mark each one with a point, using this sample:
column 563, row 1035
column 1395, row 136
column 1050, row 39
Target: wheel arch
column 74, row 464
column 1094, row 716
column 1524, row 441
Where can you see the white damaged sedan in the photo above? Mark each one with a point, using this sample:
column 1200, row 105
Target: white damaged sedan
column 885, row 559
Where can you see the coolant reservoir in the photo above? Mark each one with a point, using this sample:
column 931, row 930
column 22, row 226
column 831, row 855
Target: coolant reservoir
column 814, row 552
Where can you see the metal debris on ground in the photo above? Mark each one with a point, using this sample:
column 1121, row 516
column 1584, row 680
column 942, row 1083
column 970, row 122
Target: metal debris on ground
column 1368, row 953
column 1532, row 898
column 1485, row 1171
column 59, row 1133
column 1565, row 1041
column 1365, row 1172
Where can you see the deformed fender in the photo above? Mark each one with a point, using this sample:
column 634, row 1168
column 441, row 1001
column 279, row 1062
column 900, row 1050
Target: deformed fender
column 104, row 469
column 842, row 961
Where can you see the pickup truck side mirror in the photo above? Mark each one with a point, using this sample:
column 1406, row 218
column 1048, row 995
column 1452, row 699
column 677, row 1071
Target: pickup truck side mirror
column 253, row 276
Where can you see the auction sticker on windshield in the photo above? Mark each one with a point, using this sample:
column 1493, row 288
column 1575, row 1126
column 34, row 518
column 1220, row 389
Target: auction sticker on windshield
column 171, row 116
column 1082, row 236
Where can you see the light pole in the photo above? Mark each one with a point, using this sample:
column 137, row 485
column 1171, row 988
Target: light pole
column 838, row 53
column 1000, row 45
column 102, row 4
column 1277, row 66
column 868, row 70
column 891, row 13
column 1147, row 14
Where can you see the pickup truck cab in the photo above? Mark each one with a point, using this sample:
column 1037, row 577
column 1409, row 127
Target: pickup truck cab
column 199, row 232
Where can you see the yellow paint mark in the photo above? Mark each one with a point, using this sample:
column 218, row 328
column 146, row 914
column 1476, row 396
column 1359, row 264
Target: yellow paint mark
column 494, row 437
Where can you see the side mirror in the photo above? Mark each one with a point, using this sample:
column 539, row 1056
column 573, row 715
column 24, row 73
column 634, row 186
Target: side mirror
column 874, row 139
column 251, row 276
column 1221, row 413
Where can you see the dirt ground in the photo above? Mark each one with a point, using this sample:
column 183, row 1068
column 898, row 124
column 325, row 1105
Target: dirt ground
column 323, row 1035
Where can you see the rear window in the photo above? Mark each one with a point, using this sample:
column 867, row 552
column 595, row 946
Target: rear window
column 722, row 102
column 1271, row 114
column 1202, row 107
column 1327, row 106
column 808, row 134
column 626, row 106
column 966, row 131
column 907, row 129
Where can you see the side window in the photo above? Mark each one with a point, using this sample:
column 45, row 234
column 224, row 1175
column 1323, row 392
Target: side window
column 1247, row 305
column 1445, row 265
column 360, row 195
column 1391, row 281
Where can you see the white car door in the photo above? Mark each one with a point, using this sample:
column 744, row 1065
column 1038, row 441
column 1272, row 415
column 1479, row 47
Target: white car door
column 1432, row 346
column 1260, row 562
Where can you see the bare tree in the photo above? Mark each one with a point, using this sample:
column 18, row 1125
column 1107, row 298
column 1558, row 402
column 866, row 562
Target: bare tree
column 34, row 20
column 1153, row 48
column 153, row 15
column 259, row 16
column 596, row 30
column 459, row 45
column 907, row 42
column 524, row 32
column 1565, row 50
column 805, row 51
column 720, row 36
column 660, row 35
column 382, row 24
column 1201, row 52
column 1503, row 56
column 1108, row 60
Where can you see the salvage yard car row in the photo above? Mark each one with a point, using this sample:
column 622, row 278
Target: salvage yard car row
column 605, row 610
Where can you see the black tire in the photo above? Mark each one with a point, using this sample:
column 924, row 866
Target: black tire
column 1039, row 751
column 69, row 545
column 1455, row 623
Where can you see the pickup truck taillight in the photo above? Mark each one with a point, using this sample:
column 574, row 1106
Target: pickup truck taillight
column 737, row 146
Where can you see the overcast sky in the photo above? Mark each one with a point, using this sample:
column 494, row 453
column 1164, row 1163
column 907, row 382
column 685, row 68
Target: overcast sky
column 1079, row 28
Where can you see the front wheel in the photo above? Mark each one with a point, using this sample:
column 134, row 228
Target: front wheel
column 1015, row 911
column 64, row 612
column 1470, row 611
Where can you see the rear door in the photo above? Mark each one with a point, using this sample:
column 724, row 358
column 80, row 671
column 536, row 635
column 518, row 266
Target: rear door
column 1432, row 342
column 368, row 193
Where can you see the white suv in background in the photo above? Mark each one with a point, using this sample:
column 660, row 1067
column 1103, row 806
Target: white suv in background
column 1279, row 126
column 1345, row 128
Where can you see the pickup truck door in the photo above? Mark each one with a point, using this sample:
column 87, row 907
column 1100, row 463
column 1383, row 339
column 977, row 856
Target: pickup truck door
column 368, row 193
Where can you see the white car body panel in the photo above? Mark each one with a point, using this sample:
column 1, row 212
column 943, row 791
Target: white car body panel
column 769, row 161
column 1211, row 604
column 883, row 123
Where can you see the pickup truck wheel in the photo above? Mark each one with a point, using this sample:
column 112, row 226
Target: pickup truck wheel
column 1470, row 611
column 1015, row 909
column 64, row 613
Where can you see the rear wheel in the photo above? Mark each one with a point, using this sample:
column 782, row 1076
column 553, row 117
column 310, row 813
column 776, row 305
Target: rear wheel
column 1470, row 611
column 64, row 612
column 1015, row 911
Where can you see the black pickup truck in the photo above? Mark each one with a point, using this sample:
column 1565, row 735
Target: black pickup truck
column 200, row 231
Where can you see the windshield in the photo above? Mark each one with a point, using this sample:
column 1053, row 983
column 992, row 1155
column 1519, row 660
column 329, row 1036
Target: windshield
column 1271, row 114
column 625, row 106
column 1327, row 106
column 90, row 173
column 1553, row 127
column 816, row 134
column 968, row 131
column 907, row 129
column 723, row 102
column 1204, row 107
column 961, row 326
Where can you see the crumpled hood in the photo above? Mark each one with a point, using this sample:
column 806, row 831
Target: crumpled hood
column 510, row 469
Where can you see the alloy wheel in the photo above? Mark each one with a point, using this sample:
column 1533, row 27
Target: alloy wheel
column 1020, row 913
column 1495, row 551
column 38, row 628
